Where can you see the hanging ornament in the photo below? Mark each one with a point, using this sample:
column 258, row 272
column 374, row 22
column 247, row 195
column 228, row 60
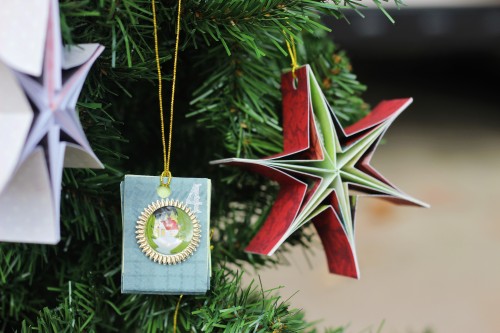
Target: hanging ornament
column 165, row 219
column 15, row 121
column 23, row 28
column 56, row 138
column 321, row 170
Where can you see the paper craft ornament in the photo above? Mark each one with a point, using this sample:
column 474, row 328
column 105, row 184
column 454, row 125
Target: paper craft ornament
column 165, row 241
column 23, row 26
column 56, row 139
column 15, row 121
column 321, row 171
column 166, row 219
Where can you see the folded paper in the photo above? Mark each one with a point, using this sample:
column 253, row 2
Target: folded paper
column 56, row 136
column 141, row 272
column 23, row 28
column 322, row 168
column 15, row 121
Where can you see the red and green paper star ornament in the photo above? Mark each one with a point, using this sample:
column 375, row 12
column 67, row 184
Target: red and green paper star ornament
column 321, row 171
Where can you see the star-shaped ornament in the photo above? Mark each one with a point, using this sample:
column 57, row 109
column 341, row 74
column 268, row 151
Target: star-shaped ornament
column 55, row 140
column 321, row 171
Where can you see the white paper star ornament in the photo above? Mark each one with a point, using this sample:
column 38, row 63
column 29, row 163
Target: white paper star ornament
column 56, row 138
column 15, row 121
column 22, row 34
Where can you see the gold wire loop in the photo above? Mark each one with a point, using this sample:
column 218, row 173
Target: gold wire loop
column 292, row 51
column 166, row 152
column 168, row 175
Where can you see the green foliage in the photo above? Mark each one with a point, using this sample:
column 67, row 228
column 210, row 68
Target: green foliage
column 228, row 104
column 76, row 312
column 226, row 307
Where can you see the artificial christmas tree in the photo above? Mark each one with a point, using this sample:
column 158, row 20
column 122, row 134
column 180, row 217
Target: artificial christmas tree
column 228, row 103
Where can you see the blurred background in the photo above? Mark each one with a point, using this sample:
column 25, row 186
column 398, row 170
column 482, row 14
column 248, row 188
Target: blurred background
column 422, row 270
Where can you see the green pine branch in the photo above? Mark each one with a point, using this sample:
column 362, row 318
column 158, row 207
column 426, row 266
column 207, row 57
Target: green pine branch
column 227, row 307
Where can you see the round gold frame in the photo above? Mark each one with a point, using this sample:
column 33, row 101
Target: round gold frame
column 154, row 255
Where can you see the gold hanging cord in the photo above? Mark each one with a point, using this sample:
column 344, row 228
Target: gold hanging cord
column 166, row 152
column 293, row 53
column 176, row 312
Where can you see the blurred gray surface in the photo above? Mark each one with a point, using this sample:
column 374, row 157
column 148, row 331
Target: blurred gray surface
column 419, row 31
